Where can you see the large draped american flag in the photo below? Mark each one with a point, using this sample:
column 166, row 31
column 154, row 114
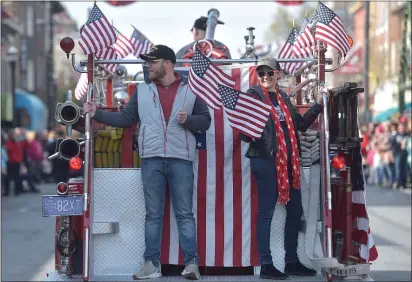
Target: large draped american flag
column 225, row 196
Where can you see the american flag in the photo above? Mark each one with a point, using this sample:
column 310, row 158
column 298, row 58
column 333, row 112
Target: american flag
column 330, row 30
column 97, row 33
column 108, row 54
column 225, row 200
column 123, row 45
column 204, row 77
column 287, row 52
column 360, row 219
column 81, row 87
column 141, row 45
column 245, row 113
column 304, row 41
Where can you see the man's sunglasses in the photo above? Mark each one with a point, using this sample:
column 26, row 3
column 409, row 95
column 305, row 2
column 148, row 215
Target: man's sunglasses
column 268, row 73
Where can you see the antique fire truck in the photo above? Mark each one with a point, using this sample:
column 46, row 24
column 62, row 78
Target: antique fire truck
column 99, row 232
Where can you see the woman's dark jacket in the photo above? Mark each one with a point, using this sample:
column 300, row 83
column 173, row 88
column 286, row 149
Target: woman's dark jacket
column 267, row 144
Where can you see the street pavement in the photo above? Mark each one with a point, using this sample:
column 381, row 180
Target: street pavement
column 28, row 238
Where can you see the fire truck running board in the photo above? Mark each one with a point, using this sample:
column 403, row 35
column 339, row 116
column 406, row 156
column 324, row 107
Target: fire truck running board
column 247, row 278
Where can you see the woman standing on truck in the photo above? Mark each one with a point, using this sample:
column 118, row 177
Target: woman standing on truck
column 274, row 160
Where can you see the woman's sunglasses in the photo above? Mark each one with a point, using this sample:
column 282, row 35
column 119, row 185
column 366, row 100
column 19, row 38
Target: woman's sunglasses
column 268, row 73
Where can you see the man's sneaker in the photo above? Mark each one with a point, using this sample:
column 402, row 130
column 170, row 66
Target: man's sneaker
column 191, row 272
column 147, row 271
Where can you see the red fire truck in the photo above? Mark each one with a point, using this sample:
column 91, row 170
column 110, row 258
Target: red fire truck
column 99, row 232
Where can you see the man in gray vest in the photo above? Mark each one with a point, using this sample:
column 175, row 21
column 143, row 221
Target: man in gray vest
column 168, row 114
column 199, row 32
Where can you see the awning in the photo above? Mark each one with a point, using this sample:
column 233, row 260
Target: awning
column 29, row 103
column 387, row 115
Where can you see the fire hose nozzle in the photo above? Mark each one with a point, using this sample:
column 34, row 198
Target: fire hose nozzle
column 68, row 113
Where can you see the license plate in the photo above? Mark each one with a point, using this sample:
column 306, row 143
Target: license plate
column 55, row 205
column 344, row 272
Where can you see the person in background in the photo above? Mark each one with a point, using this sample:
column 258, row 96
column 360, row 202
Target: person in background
column 60, row 167
column 3, row 162
column 14, row 149
column 274, row 161
column 34, row 155
column 384, row 145
column 408, row 148
column 400, row 156
column 199, row 32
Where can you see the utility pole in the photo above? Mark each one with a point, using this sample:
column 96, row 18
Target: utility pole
column 366, row 65
column 51, row 93
column 403, row 58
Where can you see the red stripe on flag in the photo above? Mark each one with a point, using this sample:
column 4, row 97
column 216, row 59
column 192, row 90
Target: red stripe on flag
column 220, row 192
column 201, row 207
column 359, row 211
column 237, row 187
column 254, row 254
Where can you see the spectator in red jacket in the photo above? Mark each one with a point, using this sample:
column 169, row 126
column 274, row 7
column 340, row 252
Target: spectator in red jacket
column 15, row 157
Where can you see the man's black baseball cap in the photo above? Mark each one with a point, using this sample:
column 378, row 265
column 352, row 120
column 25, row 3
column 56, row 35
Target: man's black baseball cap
column 159, row 52
column 201, row 23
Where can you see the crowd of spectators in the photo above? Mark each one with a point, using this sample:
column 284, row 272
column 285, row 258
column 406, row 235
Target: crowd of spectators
column 386, row 151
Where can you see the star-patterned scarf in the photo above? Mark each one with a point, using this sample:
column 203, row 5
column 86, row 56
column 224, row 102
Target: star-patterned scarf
column 282, row 153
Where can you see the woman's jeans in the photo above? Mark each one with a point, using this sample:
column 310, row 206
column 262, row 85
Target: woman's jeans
column 264, row 171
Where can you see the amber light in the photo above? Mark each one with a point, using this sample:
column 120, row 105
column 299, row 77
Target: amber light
column 350, row 40
column 338, row 162
column 76, row 163
column 62, row 188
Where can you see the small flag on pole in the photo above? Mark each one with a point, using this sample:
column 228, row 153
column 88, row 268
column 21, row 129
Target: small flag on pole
column 330, row 30
column 97, row 33
column 141, row 45
column 123, row 45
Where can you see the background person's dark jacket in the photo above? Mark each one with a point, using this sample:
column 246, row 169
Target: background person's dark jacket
column 267, row 144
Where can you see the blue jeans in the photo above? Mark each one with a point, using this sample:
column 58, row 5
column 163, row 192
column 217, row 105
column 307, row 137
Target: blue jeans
column 401, row 168
column 178, row 174
column 264, row 171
